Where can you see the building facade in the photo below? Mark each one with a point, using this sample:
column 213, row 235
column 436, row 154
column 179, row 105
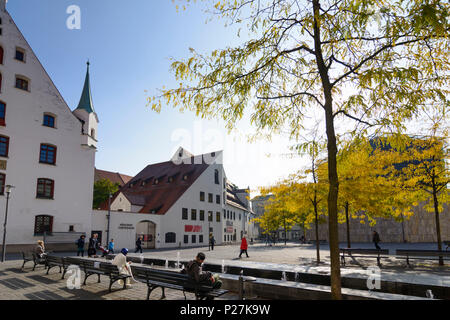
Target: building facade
column 47, row 152
column 176, row 204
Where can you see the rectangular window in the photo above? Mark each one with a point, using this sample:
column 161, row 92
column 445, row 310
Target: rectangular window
column 186, row 238
column 194, row 238
column 193, row 214
column 49, row 121
column 48, row 154
column 4, row 146
column 2, row 183
column 185, row 214
column 218, row 216
column 202, row 196
column 22, row 84
column 202, row 215
column 218, row 199
column 20, row 55
column 45, row 188
column 43, row 224
column 224, row 213
column 210, row 216
column 200, row 238
column 2, row 112
column 210, row 197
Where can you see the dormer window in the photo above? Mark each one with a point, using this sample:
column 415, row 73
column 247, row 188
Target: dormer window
column 20, row 54
column 185, row 177
column 156, row 181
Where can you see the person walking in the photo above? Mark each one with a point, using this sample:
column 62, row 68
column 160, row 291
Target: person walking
column 80, row 245
column 111, row 246
column 138, row 245
column 212, row 241
column 376, row 239
column 93, row 245
column 244, row 247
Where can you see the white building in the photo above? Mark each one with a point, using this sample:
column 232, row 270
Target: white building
column 47, row 152
column 177, row 203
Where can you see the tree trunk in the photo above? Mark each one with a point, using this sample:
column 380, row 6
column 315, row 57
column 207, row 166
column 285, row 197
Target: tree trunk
column 332, row 161
column 349, row 245
column 317, row 234
column 438, row 224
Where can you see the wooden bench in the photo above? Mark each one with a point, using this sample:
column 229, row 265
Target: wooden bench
column 155, row 278
column 112, row 271
column 375, row 253
column 91, row 267
column 421, row 254
column 53, row 261
column 27, row 257
column 38, row 261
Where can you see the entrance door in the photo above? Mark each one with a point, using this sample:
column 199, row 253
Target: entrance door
column 146, row 230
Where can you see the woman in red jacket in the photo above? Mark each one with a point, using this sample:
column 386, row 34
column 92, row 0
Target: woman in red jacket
column 244, row 247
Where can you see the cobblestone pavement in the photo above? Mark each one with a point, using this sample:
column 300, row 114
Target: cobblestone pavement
column 17, row 284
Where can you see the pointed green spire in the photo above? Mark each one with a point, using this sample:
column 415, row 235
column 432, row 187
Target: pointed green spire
column 86, row 97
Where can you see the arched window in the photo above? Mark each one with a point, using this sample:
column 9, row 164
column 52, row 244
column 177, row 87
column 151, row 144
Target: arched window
column 171, row 237
column 43, row 223
column 22, row 83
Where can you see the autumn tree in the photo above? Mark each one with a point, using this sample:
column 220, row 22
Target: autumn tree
column 102, row 189
column 365, row 64
column 421, row 167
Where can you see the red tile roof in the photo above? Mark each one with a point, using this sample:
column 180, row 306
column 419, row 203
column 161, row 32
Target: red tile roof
column 157, row 187
column 114, row 177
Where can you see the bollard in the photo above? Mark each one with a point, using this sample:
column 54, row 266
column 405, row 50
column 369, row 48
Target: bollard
column 241, row 285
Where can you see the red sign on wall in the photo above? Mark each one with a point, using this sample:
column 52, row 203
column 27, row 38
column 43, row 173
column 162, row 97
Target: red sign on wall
column 189, row 228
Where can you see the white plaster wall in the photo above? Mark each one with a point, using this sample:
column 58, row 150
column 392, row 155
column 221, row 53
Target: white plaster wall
column 172, row 220
column 123, row 238
column 74, row 170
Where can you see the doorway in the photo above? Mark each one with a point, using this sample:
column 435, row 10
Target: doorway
column 146, row 230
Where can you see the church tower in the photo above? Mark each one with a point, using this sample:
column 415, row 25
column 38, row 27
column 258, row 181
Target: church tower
column 86, row 114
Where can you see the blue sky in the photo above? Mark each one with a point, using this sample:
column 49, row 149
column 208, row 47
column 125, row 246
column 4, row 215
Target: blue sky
column 129, row 44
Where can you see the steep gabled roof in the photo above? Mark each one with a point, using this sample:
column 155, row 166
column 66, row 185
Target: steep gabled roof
column 158, row 186
column 115, row 177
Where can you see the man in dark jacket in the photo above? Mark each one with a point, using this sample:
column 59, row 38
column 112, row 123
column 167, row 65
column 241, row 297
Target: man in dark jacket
column 93, row 245
column 376, row 239
column 80, row 246
column 194, row 270
column 138, row 245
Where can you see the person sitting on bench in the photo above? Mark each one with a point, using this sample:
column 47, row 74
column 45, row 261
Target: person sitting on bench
column 40, row 249
column 194, row 270
column 124, row 267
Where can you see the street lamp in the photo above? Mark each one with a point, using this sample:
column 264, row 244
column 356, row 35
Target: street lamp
column 8, row 189
column 109, row 219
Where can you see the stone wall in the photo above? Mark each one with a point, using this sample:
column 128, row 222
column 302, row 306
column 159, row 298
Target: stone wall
column 421, row 227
